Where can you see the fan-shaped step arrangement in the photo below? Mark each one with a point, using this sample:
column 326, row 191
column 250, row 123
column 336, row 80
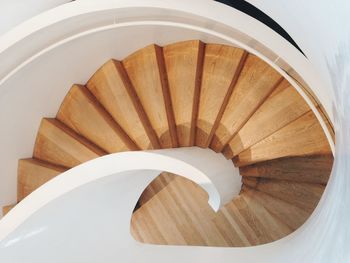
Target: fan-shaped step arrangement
column 194, row 94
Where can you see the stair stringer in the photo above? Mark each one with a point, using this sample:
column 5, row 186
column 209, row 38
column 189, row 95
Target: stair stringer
column 121, row 165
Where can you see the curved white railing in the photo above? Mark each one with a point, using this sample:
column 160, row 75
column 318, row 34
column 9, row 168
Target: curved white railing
column 114, row 183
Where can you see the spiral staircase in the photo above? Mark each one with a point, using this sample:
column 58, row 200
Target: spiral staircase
column 194, row 94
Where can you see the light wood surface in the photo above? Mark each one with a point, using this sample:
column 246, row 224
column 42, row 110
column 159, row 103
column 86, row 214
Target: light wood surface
column 34, row 173
column 112, row 88
column 155, row 187
column 287, row 213
column 7, row 209
column 256, row 81
column 184, row 64
column 57, row 144
column 147, row 73
column 222, row 66
column 303, row 136
column 306, row 169
column 264, row 223
column 82, row 113
column 282, row 107
column 303, row 195
column 179, row 215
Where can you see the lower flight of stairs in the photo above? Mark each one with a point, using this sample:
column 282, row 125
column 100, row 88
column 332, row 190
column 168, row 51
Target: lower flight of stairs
column 194, row 94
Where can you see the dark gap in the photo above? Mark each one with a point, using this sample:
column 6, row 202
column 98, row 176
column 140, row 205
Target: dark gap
column 256, row 13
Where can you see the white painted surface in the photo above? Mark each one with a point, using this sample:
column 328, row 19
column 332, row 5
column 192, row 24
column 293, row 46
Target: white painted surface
column 13, row 12
column 42, row 58
column 112, row 183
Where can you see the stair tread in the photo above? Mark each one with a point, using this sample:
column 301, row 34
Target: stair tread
column 156, row 186
column 57, row 144
column 304, row 136
column 304, row 195
column 184, row 63
column 308, row 169
column 282, row 107
column 146, row 71
column 291, row 215
column 112, row 88
column 255, row 223
column 32, row 174
column 256, row 81
column 222, row 65
column 81, row 112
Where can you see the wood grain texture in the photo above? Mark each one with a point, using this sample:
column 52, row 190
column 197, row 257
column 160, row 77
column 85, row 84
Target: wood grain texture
column 7, row 209
column 255, row 83
column 307, row 169
column 184, row 64
column 263, row 222
column 282, row 107
column 81, row 112
column 179, row 215
column 32, row 173
column 156, row 186
column 57, row 144
column 221, row 69
column 287, row 213
column 304, row 136
column 303, row 195
column 112, row 88
column 146, row 70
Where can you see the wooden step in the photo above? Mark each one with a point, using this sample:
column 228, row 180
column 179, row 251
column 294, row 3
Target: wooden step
column 156, row 186
column 184, row 65
column 146, row 70
column 265, row 224
column 282, row 107
column 32, row 174
column 255, row 83
column 57, row 144
column 113, row 89
column 230, row 227
column 222, row 66
column 7, row 209
column 287, row 213
column 251, row 221
column 303, row 136
column 82, row 113
column 305, row 196
column 177, row 215
column 308, row 169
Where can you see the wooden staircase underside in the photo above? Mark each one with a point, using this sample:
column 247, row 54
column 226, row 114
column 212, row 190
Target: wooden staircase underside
column 194, row 94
